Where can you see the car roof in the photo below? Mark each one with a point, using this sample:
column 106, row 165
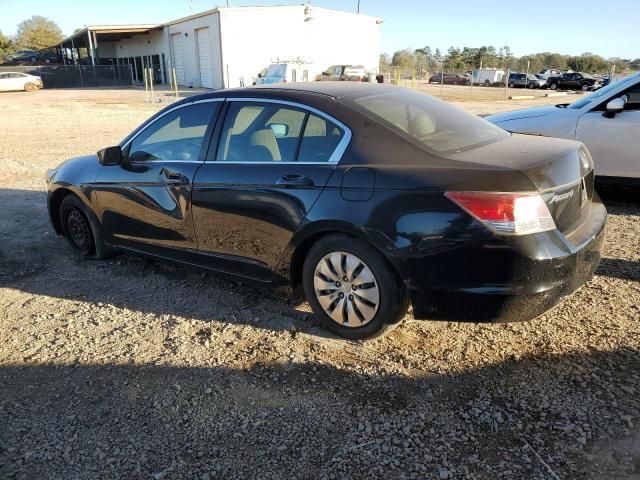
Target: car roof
column 334, row 90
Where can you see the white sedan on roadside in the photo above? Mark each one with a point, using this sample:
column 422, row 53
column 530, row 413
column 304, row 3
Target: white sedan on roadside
column 607, row 121
column 19, row 81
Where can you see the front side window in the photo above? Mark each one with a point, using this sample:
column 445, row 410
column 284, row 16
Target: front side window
column 272, row 132
column 604, row 91
column 431, row 123
column 177, row 135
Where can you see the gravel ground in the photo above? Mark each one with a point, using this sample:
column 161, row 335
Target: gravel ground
column 136, row 369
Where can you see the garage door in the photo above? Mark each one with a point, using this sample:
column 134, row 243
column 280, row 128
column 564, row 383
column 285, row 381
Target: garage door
column 178, row 57
column 204, row 56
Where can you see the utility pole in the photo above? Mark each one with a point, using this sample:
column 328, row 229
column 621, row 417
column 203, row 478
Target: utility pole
column 358, row 11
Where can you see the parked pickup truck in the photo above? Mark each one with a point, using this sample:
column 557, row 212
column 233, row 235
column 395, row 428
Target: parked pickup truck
column 574, row 81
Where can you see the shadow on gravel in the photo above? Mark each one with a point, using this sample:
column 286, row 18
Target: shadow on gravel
column 619, row 268
column 33, row 259
column 310, row 421
column 616, row 195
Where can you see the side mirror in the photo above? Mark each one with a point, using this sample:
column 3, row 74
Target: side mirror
column 614, row 106
column 110, row 156
column 279, row 130
column 260, row 75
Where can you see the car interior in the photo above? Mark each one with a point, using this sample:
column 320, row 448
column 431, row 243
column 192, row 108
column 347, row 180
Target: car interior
column 271, row 133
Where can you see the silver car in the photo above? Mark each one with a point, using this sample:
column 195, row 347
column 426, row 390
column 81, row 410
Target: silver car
column 607, row 121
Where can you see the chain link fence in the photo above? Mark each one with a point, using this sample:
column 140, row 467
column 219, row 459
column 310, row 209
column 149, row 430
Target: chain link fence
column 70, row 76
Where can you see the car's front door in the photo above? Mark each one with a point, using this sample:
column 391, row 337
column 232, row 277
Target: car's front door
column 272, row 160
column 613, row 141
column 145, row 202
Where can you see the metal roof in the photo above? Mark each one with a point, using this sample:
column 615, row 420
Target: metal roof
column 117, row 31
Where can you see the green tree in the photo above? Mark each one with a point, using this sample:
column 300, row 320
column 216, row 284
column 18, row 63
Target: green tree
column 589, row 63
column 422, row 64
column 7, row 47
column 454, row 59
column 37, row 33
column 404, row 58
column 385, row 61
column 438, row 58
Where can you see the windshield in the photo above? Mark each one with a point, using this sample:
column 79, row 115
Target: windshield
column 353, row 70
column 604, row 91
column 433, row 124
column 276, row 70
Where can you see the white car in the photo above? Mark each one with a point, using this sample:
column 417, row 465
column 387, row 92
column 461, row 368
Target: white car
column 19, row 81
column 607, row 121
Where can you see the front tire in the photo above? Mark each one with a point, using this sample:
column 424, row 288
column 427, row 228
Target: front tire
column 553, row 86
column 352, row 289
column 81, row 229
column 30, row 87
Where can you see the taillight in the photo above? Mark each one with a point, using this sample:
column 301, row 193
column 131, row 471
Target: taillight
column 507, row 213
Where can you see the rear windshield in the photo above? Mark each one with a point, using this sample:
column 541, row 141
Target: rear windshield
column 433, row 124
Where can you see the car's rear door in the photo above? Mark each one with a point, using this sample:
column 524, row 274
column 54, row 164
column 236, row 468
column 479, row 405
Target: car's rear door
column 145, row 202
column 272, row 160
column 613, row 141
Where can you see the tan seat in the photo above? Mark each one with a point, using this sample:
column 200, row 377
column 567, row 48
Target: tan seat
column 422, row 126
column 267, row 139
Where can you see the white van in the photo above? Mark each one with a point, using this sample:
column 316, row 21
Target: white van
column 284, row 72
column 488, row 77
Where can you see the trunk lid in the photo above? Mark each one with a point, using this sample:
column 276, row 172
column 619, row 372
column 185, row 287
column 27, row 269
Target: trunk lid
column 561, row 171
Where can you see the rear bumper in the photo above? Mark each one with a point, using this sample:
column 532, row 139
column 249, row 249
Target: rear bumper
column 502, row 285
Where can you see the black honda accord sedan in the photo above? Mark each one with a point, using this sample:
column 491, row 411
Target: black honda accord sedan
column 368, row 198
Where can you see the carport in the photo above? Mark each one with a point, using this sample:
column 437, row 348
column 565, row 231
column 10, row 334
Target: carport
column 96, row 43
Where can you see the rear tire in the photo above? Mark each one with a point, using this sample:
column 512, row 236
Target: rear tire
column 487, row 83
column 511, row 85
column 360, row 295
column 553, row 86
column 585, row 88
column 81, row 229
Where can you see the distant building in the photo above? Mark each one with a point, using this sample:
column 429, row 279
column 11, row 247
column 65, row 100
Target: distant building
column 229, row 46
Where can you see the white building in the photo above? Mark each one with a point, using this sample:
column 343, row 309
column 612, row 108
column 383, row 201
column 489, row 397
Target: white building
column 228, row 46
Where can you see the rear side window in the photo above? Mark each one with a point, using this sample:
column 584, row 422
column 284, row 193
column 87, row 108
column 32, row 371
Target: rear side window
column 430, row 123
column 271, row 132
column 321, row 138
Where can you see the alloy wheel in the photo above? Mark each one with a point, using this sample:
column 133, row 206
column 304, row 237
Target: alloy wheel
column 347, row 289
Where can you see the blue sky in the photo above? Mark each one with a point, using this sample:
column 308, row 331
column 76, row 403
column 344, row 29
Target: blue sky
column 606, row 28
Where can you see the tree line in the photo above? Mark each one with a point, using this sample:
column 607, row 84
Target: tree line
column 35, row 33
column 423, row 60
